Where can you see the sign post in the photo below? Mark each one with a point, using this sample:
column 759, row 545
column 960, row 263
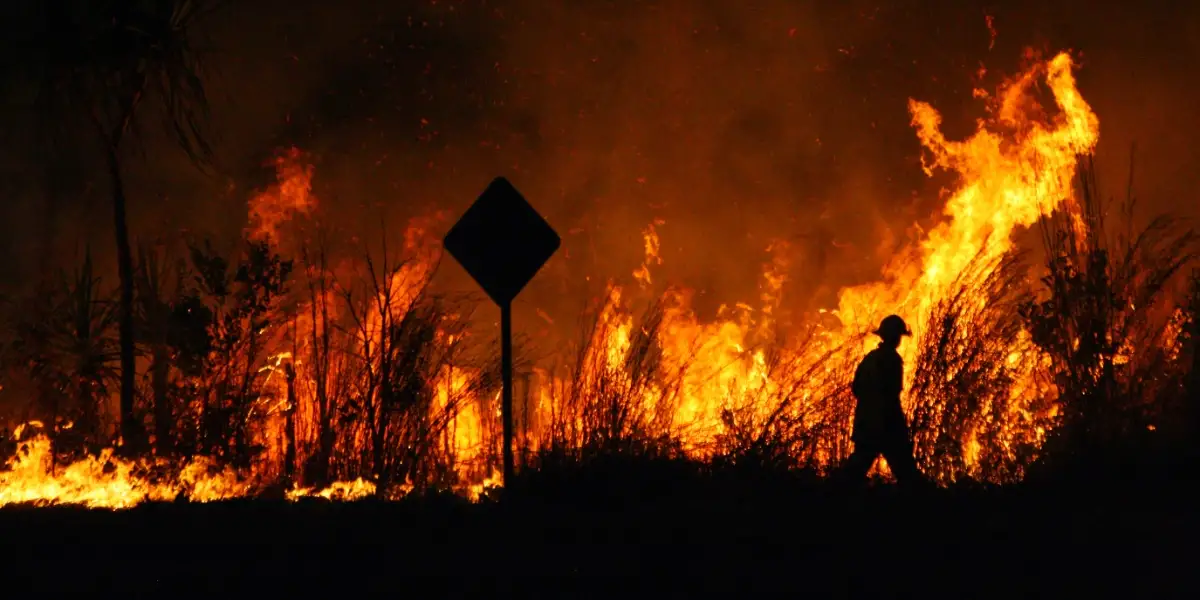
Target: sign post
column 502, row 242
column 506, row 398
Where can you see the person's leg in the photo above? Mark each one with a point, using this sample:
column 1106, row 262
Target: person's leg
column 860, row 461
column 900, row 459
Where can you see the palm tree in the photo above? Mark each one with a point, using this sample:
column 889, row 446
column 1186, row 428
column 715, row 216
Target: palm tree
column 64, row 340
column 158, row 290
column 98, row 65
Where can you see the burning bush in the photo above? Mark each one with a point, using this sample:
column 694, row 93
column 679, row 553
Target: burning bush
column 336, row 375
column 1108, row 321
column 973, row 357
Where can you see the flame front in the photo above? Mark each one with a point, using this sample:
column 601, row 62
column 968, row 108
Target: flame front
column 666, row 375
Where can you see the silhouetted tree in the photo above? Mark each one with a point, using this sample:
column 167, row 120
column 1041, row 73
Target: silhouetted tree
column 158, row 286
column 65, row 343
column 104, row 62
column 239, row 303
column 322, row 355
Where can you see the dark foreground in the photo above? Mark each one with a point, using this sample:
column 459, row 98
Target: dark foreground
column 749, row 538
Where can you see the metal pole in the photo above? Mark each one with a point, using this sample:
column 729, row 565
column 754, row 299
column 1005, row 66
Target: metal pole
column 506, row 403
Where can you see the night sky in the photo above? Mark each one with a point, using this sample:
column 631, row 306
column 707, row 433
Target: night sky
column 735, row 122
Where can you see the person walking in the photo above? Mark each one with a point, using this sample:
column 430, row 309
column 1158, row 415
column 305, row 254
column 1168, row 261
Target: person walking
column 879, row 423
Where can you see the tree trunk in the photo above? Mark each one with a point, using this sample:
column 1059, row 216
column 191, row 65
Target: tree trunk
column 130, row 430
column 320, row 342
column 379, row 466
column 325, row 443
column 379, row 404
column 159, row 374
column 289, row 456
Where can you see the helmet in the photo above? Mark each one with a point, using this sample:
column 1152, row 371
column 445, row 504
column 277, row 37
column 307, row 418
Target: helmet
column 892, row 326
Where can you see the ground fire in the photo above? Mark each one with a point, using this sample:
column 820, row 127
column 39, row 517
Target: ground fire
column 356, row 379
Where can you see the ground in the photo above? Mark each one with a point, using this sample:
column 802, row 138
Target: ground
column 761, row 535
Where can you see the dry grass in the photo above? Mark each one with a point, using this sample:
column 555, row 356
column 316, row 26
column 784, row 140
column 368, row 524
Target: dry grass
column 1109, row 337
column 970, row 361
column 1105, row 320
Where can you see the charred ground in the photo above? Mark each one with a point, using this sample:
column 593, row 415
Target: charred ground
column 666, row 520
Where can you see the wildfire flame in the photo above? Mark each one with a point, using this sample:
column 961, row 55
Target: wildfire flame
column 291, row 195
column 1017, row 167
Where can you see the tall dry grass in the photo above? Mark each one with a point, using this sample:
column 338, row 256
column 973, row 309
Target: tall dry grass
column 969, row 408
column 352, row 367
column 1106, row 319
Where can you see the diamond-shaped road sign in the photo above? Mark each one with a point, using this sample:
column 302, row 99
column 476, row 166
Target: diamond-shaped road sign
column 501, row 241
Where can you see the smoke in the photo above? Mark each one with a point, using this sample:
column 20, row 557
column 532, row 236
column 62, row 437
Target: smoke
column 735, row 123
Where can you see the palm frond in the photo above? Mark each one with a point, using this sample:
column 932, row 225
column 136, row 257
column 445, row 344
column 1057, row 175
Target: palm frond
column 99, row 62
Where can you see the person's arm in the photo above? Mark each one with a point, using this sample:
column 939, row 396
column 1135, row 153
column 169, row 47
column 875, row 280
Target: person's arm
column 893, row 381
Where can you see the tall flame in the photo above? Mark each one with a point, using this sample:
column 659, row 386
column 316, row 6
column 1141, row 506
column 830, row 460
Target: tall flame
column 1014, row 169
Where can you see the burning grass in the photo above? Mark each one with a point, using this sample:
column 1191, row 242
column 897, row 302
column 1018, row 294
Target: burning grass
column 287, row 367
column 971, row 417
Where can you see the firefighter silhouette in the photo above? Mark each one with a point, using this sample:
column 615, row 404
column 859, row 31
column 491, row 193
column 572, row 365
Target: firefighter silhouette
column 879, row 423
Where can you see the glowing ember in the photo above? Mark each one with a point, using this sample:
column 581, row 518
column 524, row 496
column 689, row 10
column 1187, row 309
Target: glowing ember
column 340, row 491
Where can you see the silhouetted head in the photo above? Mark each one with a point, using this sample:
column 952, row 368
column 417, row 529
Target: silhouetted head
column 892, row 329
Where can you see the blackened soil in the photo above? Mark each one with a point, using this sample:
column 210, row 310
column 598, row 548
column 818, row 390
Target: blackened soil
column 681, row 535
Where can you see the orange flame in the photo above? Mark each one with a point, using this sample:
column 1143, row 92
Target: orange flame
column 1014, row 169
column 291, row 195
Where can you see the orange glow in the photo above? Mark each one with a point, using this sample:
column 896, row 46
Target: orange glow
column 290, row 196
column 751, row 367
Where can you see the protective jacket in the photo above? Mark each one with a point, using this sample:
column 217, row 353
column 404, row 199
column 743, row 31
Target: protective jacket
column 878, row 381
